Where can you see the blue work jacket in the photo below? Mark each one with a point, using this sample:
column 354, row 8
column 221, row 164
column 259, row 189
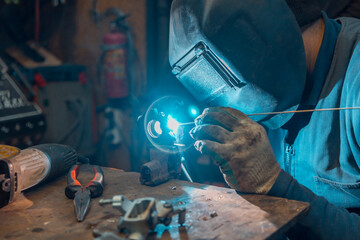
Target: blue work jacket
column 321, row 165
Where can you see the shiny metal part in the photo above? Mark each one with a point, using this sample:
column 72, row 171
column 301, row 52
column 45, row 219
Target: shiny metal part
column 9, row 189
column 82, row 204
column 142, row 215
column 5, row 183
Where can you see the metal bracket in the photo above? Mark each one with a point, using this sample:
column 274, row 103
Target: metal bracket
column 142, row 215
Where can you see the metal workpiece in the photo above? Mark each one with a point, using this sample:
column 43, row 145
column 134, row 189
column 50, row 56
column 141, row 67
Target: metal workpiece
column 118, row 202
column 161, row 168
column 154, row 172
column 142, row 215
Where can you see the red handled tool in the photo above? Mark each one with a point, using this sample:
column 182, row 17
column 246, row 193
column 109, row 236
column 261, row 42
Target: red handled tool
column 74, row 190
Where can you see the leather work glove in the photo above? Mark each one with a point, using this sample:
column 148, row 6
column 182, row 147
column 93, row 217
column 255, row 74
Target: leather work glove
column 239, row 146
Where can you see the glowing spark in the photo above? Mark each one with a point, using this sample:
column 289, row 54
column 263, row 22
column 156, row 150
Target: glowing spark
column 179, row 144
column 193, row 111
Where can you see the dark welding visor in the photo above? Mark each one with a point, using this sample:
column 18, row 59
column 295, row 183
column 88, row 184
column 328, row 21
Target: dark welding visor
column 204, row 74
column 246, row 54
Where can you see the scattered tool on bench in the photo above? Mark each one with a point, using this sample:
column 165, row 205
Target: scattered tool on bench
column 143, row 214
column 23, row 169
column 81, row 195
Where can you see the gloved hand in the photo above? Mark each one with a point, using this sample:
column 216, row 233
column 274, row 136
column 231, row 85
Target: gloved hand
column 239, row 146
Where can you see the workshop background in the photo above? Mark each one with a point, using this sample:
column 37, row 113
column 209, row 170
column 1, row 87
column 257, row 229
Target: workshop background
column 63, row 61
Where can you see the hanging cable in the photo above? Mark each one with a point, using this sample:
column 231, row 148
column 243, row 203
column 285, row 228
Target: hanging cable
column 37, row 20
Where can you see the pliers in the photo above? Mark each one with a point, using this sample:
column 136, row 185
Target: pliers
column 74, row 190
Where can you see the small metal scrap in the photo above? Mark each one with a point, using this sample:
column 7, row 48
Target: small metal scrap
column 142, row 215
column 173, row 188
column 213, row 214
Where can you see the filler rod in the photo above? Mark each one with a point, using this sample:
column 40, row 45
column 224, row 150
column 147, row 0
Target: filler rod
column 285, row 112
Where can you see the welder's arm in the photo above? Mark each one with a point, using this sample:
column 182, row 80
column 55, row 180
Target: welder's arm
column 324, row 220
column 242, row 150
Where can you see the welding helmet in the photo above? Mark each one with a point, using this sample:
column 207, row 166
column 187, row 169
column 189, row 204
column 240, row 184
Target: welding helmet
column 244, row 54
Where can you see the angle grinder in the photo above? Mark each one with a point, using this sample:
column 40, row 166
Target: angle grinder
column 22, row 169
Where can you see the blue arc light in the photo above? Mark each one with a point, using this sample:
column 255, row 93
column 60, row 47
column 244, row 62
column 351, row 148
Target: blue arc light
column 193, row 111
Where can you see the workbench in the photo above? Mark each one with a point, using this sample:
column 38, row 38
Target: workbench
column 212, row 212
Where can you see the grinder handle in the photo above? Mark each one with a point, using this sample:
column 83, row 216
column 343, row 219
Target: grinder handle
column 61, row 158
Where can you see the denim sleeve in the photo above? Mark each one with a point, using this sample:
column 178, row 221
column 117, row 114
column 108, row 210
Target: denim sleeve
column 324, row 220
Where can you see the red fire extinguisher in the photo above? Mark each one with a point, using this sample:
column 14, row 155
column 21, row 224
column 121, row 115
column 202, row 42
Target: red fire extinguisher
column 115, row 64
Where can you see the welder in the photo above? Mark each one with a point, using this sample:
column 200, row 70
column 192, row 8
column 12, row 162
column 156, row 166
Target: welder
column 242, row 57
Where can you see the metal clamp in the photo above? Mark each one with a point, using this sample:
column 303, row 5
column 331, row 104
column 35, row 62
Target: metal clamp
column 142, row 215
